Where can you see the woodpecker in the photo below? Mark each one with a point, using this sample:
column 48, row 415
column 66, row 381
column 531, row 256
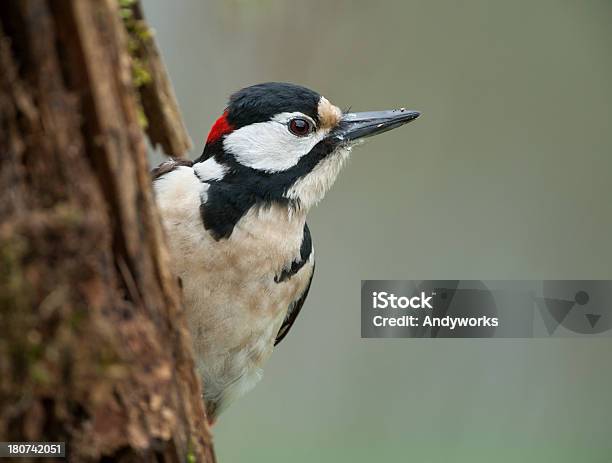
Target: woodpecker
column 235, row 220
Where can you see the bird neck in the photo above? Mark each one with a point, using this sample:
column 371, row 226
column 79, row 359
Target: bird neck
column 234, row 193
column 278, row 215
column 298, row 188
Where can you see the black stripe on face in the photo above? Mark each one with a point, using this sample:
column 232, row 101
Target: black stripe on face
column 305, row 251
column 243, row 187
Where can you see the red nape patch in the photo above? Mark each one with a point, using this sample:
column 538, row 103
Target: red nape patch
column 219, row 128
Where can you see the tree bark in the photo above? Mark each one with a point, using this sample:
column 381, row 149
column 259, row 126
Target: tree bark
column 94, row 349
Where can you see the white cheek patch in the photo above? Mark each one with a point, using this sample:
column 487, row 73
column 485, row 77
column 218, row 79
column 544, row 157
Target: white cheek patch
column 269, row 146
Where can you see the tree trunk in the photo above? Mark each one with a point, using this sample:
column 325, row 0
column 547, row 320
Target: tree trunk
column 94, row 349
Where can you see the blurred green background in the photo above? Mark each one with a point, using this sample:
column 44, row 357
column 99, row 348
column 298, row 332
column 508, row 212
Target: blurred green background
column 505, row 176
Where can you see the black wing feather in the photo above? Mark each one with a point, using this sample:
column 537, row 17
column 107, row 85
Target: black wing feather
column 293, row 312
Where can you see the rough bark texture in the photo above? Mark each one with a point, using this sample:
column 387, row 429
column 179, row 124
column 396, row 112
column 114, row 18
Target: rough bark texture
column 94, row 349
column 164, row 123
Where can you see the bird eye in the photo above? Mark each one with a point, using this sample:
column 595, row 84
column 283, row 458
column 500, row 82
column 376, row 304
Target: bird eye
column 300, row 127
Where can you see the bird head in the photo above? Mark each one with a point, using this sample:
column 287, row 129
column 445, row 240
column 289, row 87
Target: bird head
column 283, row 142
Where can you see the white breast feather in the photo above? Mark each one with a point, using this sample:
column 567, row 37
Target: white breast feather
column 233, row 305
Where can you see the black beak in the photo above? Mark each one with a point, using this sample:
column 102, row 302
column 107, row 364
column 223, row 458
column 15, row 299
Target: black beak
column 355, row 126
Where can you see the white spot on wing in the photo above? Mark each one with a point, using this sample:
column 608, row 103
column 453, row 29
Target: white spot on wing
column 210, row 170
column 179, row 190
